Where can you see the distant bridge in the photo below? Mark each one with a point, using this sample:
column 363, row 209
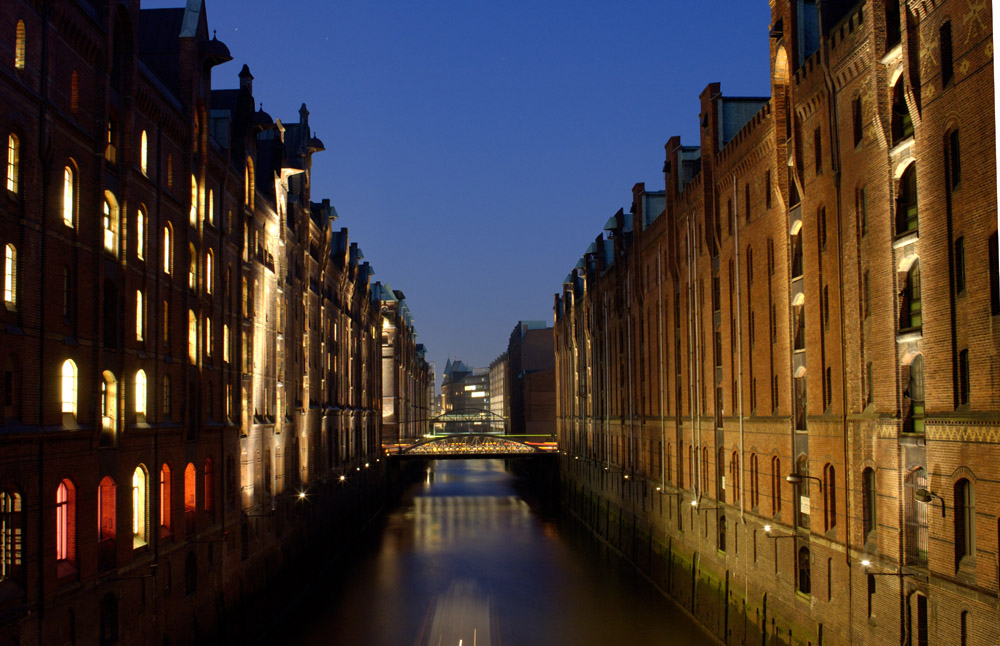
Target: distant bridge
column 476, row 445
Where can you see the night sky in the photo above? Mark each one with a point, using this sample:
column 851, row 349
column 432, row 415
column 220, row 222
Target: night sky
column 474, row 149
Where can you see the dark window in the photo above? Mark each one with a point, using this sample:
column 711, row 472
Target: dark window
column 770, row 256
column 906, row 201
column 776, row 478
column 746, row 201
column 858, row 125
column 959, row 265
column 947, row 62
column 767, row 189
column 963, row 520
column 109, row 620
column 190, row 574
column 915, row 518
column 954, row 160
column 868, row 502
column 796, row 254
column 729, row 216
column 800, row 403
column 902, row 123
column 830, row 489
column 964, row 628
column 910, row 313
column 871, row 593
column 862, row 209
column 868, row 384
column 722, row 533
column 818, row 150
column 821, row 221
column 963, row 377
column 804, row 577
column 892, row 26
column 799, row 342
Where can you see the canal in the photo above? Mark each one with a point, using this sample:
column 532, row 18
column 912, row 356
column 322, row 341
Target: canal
column 465, row 560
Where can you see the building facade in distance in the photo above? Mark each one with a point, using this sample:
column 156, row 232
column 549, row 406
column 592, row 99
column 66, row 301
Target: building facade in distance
column 465, row 399
column 406, row 375
column 777, row 378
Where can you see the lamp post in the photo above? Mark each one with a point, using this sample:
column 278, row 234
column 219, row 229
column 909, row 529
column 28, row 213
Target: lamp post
column 925, row 497
column 797, row 478
column 767, row 532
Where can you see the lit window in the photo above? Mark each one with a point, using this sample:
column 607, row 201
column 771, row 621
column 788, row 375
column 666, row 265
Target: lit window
column 140, row 234
column 10, row 275
column 68, row 196
column 165, row 499
column 109, row 404
column 65, row 517
column 106, row 509
column 168, row 249
column 192, row 336
column 140, row 315
column 194, row 201
column 69, row 387
column 211, row 206
column 10, row 535
column 139, row 536
column 110, row 224
column 209, row 268
column 248, row 183
column 964, row 521
column 143, row 152
column 13, row 162
column 19, row 46
column 140, row 393
column 208, row 336
column 192, row 267
column 209, row 477
column 225, row 343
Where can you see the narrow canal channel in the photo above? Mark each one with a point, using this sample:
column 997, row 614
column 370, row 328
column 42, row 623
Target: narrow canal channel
column 464, row 560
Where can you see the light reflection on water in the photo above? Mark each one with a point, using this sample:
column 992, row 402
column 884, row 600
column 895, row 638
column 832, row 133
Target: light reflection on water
column 464, row 557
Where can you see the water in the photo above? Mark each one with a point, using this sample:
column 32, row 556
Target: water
column 465, row 561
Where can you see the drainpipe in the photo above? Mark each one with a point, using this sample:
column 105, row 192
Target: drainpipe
column 696, row 457
column 659, row 325
column 739, row 342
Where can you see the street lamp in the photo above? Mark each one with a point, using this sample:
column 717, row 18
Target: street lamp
column 924, row 496
column 867, row 565
column 697, row 506
column 767, row 532
column 797, row 478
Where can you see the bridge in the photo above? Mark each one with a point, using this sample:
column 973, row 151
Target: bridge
column 475, row 445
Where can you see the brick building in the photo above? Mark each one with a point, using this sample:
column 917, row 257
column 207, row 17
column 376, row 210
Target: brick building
column 406, row 375
column 210, row 345
column 777, row 379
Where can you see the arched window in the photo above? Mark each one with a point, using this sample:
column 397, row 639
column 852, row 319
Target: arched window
column 868, row 502
column 911, row 310
column 249, row 183
column 192, row 267
column 143, row 153
column 722, row 533
column 139, row 535
column 964, row 523
column 69, row 387
column 19, row 46
column 902, row 123
column 140, row 393
column 804, row 579
column 906, row 201
column 13, row 162
column 168, row 249
column 165, row 499
column 754, row 482
column 192, row 337
column 208, row 336
column 194, row 201
column 106, row 508
column 110, row 223
column 830, row 495
column 109, row 407
column 775, row 485
column 915, row 539
column 10, row 275
column 225, row 342
column 209, row 488
column 734, row 473
column 11, row 546
column 65, row 524
column 140, row 316
column 190, row 497
column 209, row 269
column 140, row 234
column 68, row 211
column 210, row 216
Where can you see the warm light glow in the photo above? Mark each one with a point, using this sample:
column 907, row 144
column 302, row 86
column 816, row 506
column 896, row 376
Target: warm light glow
column 866, row 562
column 342, row 478
column 62, row 521
column 10, row 275
column 767, row 528
column 68, row 196
column 168, row 250
column 302, row 495
column 139, row 315
column 13, row 161
column 194, row 201
column 192, row 337
column 69, row 387
column 694, row 503
column 110, row 224
column 140, row 234
column 19, row 38
column 138, row 507
column 143, row 152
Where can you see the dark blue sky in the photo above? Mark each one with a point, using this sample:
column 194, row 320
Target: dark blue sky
column 474, row 149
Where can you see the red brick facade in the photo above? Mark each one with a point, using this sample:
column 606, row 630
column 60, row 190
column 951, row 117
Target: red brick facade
column 213, row 427
column 813, row 293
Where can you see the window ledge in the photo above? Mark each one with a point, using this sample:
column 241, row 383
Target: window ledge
column 906, row 238
column 901, row 147
column 896, row 52
column 909, row 336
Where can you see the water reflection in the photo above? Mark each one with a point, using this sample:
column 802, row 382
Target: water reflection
column 465, row 560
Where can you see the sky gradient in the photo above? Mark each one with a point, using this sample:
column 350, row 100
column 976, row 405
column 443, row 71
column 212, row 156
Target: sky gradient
column 475, row 149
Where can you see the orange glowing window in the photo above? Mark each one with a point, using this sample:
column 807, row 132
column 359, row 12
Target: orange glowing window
column 165, row 499
column 65, row 515
column 190, row 487
column 106, row 508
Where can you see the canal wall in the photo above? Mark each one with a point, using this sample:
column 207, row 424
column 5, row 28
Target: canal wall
column 673, row 548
